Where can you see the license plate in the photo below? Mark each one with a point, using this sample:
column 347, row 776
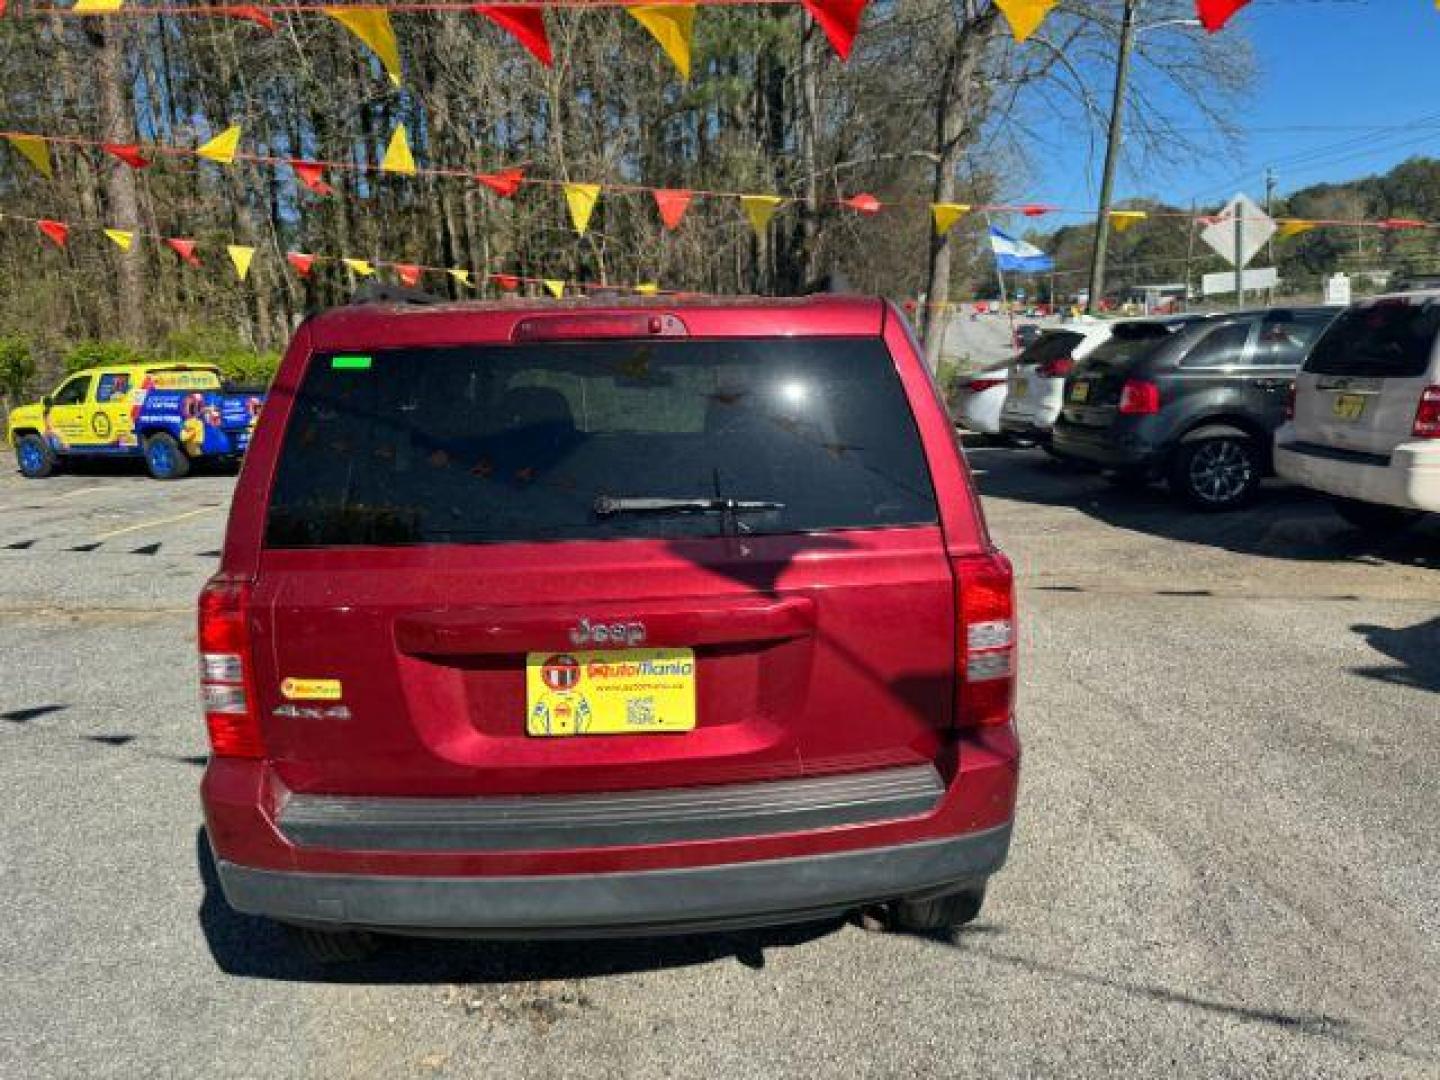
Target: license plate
column 1022, row 387
column 1080, row 392
column 1349, row 406
column 609, row 692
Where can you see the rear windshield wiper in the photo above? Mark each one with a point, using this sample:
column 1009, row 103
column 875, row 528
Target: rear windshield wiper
column 606, row 505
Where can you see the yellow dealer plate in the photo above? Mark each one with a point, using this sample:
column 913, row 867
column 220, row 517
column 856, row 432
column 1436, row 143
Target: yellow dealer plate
column 1080, row 392
column 612, row 692
column 1349, row 406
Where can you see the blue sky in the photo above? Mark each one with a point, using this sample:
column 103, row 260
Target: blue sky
column 1362, row 73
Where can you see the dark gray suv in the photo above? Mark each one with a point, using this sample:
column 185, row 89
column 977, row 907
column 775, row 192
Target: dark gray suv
column 1197, row 407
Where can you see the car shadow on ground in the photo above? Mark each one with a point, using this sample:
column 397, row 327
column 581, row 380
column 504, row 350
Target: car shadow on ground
column 1298, row 1022
column 251, row 947
column 1416, row 650
column 1284, row 522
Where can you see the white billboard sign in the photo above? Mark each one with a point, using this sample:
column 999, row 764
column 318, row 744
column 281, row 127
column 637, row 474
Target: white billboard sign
column 1224, row 282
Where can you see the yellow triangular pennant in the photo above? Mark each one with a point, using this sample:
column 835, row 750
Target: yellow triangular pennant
column 36, row 151
column 555, row 287
column 648, row 288
column 1294, row 227
column 241, row 256
column 372, row 26
column 1120, row 220
column 672, row 25
column 582, row 199
column 462, row 276
column 85, row 7
column 760, row 209
column 121, row 238
column 947, row 214
column 222, row 147
column 359, row 267
column 398, row 158
column 1025, row 16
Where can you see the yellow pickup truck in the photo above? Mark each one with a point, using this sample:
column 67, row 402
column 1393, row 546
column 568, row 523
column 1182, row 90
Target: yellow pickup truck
column 168, row 414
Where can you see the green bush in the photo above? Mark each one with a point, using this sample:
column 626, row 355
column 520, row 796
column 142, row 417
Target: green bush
column 237, row 361
column 17, row 368
column 88, row 354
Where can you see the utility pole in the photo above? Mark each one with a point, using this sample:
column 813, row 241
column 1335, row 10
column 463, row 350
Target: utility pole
column 1239, row 266
column 1112, row 153
column 1271, row 178
column 1190, row 251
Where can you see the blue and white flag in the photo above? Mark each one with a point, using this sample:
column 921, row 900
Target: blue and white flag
column 1012, row 254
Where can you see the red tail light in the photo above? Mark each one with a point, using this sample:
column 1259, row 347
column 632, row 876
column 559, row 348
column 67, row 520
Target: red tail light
column 1290, row 403
column 1139, row 398
column 1058, row 368
column 975, row 386
column 987, row 640
column 227, row 685
column 1427, row 414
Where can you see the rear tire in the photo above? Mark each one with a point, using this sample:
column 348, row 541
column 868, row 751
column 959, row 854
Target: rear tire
column 34, row 457
column 165, row 459
column 1217, row 474
column 335, row 946
column 1375, row 518
column 940, row 913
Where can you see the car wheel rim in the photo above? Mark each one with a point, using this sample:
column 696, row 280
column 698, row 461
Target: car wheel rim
column 29, row 458
column 1220, row 471
column 160, row 457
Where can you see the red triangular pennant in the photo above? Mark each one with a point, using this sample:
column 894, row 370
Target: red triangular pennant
column 408, row 273
column 250, row 14
column 672, row 204
column 1214, row 14
column 1401, row 223
column 508, row 282
column 504, row 183
column 57, row 232
column 864, row 203
column 301, row 262
column 129, row 153
column 184, row 248
column 1035, row 209
column 840, row 19
column 525, row 22
column 312, row 175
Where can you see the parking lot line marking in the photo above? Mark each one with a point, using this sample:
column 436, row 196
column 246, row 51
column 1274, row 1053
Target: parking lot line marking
column 155, row 522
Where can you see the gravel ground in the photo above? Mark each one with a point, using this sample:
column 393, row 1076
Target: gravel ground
column 1227, row 860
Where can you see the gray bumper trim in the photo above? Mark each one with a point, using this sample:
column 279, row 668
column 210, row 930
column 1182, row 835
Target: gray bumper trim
column 539, row 823
column 639, row 902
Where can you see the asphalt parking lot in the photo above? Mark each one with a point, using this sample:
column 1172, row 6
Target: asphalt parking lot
column 1227, row 861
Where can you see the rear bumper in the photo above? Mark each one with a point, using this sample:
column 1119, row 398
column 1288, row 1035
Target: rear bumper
column 806, row 848
column 1113, row 447
column 653, row 901
column 1409, row 478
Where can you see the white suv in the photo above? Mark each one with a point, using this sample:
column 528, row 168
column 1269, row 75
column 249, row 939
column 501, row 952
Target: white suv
column 1365, row 424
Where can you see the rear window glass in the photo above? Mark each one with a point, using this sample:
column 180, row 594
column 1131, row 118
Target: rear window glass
column 1051, row 346
column 1128, row 342
column 496, row 444
column 1390, row 339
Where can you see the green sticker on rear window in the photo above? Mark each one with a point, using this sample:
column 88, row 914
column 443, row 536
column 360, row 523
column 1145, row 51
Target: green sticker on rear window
column 350, row 363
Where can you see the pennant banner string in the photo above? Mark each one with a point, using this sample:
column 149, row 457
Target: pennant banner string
column 241, row 256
